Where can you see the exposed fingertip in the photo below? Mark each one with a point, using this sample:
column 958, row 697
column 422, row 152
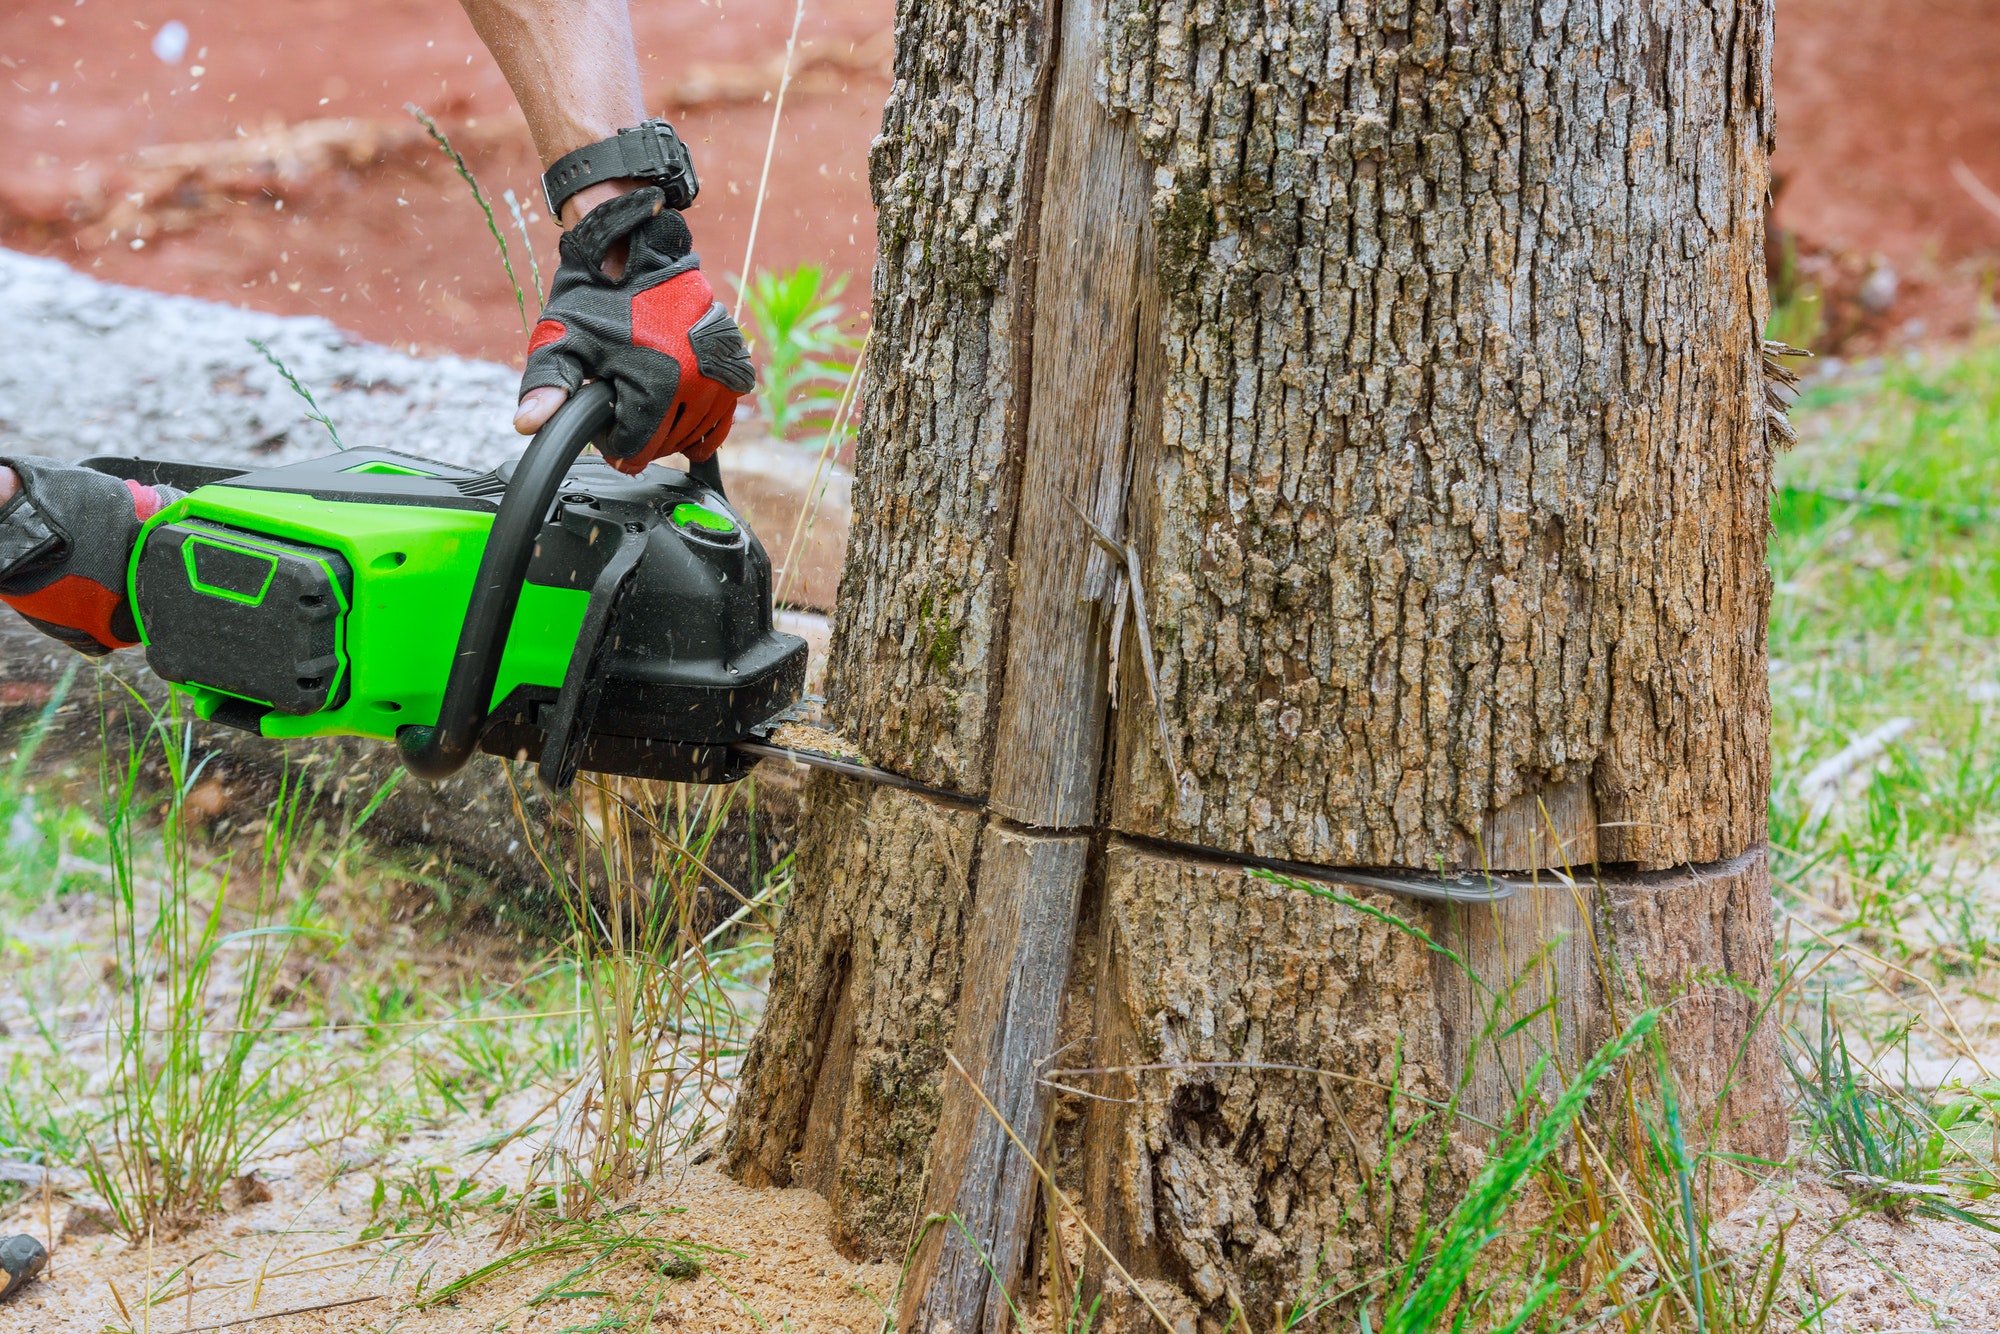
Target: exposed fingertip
column 535, row 409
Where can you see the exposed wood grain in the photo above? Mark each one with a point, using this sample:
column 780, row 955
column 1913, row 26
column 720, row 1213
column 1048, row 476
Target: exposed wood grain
column 1589, row 956
column 1550, row 826
column 1094, row 231
column 1229, row 1176
column 1017, row 962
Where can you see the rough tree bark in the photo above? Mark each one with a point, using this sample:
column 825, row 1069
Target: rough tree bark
column 1409, row 352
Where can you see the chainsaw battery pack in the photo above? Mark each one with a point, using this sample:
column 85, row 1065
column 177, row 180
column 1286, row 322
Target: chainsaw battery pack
column 258, row 618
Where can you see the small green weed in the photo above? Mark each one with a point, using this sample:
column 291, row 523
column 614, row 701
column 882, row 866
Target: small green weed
column 424, row 1197
column 1891, row 1149
column 807, row 358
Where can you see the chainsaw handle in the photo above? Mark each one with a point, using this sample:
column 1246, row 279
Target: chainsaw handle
column 442, row 750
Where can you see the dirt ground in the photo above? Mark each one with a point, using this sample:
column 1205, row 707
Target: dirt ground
column 1877, row 99
column 766, row 1262
column 273, row 164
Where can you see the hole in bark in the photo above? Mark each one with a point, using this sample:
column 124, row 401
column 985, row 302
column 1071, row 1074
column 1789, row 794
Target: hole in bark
column 1196, row 1116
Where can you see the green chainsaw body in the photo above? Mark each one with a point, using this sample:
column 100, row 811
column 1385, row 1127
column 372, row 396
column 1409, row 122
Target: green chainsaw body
column 327, row 598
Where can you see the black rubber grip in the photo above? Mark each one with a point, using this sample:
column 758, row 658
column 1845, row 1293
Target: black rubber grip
column 442, row 750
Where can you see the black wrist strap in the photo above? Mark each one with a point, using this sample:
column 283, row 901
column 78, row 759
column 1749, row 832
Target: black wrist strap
column 649, row 152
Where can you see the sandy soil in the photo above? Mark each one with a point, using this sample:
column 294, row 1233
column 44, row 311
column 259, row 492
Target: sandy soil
column 379, row 235
column 296, row 1238
column 767, row 1263
column 1878, row 1274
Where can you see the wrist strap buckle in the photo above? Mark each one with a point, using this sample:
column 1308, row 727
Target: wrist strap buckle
column 649, row 152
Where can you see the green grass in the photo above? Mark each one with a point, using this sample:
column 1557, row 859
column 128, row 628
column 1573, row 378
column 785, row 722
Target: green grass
column 49, row 845
column 1886, row 609
column 1897, row 1150
column 199, row 1077
column 1887, row 606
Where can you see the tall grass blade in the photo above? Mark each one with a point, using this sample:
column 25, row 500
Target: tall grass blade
column 443, row 141
column 1419, row 1304
column 313, row 411
column 528, row 245
column 770, row 148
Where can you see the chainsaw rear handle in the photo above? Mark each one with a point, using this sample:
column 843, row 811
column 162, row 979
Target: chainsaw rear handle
column 442, row 750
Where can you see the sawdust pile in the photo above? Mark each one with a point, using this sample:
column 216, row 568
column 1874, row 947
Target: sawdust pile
column 769, row 1265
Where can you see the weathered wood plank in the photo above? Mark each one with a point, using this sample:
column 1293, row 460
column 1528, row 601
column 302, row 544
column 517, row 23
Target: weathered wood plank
column 1095, row 261
column 1017, row 962
column 1551, row 826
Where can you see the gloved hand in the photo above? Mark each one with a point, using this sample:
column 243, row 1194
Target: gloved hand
column 66, row 536
column 670, row 350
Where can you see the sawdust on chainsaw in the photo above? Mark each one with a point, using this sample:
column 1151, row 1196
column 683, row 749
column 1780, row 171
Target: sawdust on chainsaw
column 824, row 741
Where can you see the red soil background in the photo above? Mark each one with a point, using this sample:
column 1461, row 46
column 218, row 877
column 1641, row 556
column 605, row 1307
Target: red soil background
column 1877, row 99
column 385, row 241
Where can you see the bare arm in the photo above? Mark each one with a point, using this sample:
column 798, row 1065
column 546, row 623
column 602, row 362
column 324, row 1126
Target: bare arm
column 574, row 70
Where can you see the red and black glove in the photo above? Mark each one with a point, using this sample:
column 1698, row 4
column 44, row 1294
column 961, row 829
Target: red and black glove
column 65, row 543
column 670, row 350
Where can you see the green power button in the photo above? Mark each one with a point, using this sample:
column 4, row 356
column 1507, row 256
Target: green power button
column 690, row 515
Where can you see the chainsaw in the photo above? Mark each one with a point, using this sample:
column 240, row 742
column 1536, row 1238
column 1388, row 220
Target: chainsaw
column 549, row 609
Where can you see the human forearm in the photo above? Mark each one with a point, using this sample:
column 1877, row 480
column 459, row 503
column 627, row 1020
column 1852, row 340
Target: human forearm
column 572, row 66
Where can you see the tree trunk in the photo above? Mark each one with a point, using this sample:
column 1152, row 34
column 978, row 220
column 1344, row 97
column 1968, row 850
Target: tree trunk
column 1408, row 354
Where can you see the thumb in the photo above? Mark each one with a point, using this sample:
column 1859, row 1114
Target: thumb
column 537, row 406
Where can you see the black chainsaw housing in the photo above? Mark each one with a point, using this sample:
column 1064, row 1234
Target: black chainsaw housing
column 678, row 656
